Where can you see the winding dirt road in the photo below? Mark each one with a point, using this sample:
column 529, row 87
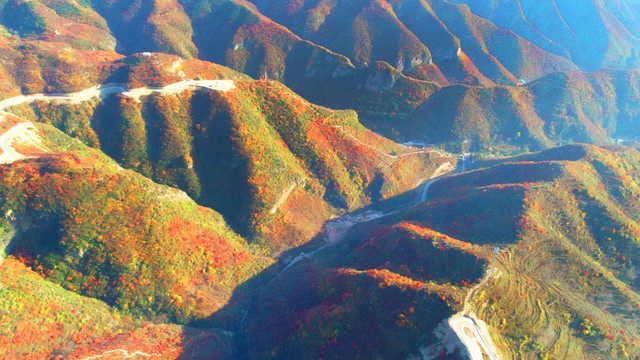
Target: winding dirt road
column 471, row 331
column 23, row 131
column 9, row 154
column 474, row 336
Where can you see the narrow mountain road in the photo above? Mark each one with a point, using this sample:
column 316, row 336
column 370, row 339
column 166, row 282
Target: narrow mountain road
column 442, row 170
column 471, row 331
column 9, row 154
column 102, row 91
column 122, row 354
column 335, row 229
column 387, row 159
column 23, row 131
column 473, row 338
column 425, row 190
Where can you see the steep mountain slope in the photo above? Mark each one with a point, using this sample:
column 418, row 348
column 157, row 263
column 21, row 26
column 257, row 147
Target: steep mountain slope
column 249, row 42
column 258, row 154
column 557, row 109
column 436, row 40
column 566, row 221
column 108, row 233
column 594, row 34
column 46, row 67
column 418, row 37
column 403, row 51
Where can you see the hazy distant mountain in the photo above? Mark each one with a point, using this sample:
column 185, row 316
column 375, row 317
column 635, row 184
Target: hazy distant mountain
column 593, row 34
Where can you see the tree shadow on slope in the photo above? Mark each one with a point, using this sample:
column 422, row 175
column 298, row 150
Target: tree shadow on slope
column 140, row 138
column 313, row 309
column 222, row 172
column 37, row 239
